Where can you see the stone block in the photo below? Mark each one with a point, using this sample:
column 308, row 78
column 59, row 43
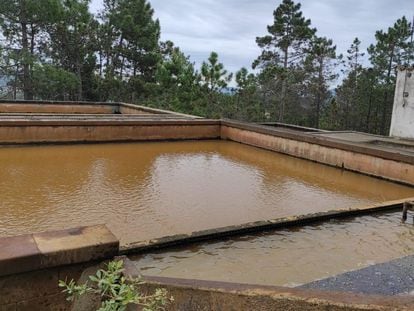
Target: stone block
column 76, row 245
column 18, row 254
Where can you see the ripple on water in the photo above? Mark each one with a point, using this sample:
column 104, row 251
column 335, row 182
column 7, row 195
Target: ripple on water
column 148, row 190
column 289, row 257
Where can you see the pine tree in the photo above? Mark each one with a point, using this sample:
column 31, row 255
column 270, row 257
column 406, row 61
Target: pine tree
column 214, row 78
column 320, row 69
column 130, row 46
column 284, row 48
column 177, row 79
column 348, row 93
column 74, row 43
column 22, row 23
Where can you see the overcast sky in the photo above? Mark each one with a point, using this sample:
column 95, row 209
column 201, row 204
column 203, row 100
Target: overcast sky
column 230, row 27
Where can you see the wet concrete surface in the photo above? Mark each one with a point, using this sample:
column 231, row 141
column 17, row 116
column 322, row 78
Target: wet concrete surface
column 390, row 278
column 393, row 144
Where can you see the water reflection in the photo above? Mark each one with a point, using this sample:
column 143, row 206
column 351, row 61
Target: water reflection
column 147, row 190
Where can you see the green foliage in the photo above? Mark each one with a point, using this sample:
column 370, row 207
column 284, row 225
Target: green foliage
column 58, row 49
column 54, row 83
column 283, row 50
column 73, row 42
column 116, row 291
column 320, row 67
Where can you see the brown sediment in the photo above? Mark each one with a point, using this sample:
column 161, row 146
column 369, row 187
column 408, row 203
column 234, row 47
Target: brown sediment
column 148, row 190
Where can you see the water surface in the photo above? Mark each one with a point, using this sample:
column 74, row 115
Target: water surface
column 149, row 190
column 289, row 257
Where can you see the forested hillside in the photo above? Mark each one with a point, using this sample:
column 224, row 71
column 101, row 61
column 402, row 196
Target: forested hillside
column 59, row 50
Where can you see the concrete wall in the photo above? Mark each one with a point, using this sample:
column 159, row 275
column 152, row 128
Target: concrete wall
column 22, row 132
column 69, row 107
column 344, row 155
column 31, row 265
column 193, row 295
column 57, row 108
column 402, row 122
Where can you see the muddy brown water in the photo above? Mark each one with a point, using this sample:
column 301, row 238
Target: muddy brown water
column 149, row 190
column 288, row 257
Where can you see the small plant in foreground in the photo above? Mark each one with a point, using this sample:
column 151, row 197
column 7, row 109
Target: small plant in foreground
column 116, row 291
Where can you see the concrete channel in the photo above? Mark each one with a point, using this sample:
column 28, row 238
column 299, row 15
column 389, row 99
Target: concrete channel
column 30, row 265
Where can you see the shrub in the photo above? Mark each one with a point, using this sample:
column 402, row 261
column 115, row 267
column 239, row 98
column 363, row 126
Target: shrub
column 116, row 291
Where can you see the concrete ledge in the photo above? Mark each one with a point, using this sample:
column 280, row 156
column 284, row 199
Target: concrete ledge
column 81, row 107
column 56, row 248
column 257, row 226
column 209, row 295
column 313, row 138
column 155, row 110
column 386, row 163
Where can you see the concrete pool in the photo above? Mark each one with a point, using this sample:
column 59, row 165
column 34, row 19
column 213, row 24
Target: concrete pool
column 154, row 189
column 288, row 257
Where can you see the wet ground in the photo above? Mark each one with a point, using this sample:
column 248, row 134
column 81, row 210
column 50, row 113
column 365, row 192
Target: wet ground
column 149, row 190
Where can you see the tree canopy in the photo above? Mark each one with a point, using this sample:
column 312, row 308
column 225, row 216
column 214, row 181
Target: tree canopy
column 58, row 49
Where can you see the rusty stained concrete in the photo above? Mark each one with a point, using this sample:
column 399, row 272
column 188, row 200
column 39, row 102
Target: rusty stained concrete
column 32, row 265
column 44, row 250
column 104, row 131
column 209, row 295
column 377, row 163
column 81, row 107
column 257, row 226
column 20, row 254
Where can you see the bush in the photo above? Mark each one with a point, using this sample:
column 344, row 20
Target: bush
column 116, row 292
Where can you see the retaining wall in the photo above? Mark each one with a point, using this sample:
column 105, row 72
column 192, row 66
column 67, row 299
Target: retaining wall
column 193, row 295
column 367, row 160
column 64, row 131
column 80, row 107
column 31, row 265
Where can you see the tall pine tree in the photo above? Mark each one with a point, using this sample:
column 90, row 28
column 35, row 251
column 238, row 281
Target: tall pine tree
column 284, row 47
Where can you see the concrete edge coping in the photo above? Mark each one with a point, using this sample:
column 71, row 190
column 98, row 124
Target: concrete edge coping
column 98, row 122
column 314, row 138
column 87, row 103
column 38, row 251
column 304, row 129
column 57, row 102
column 257, row 226
column 327, row 298
column 159, row 111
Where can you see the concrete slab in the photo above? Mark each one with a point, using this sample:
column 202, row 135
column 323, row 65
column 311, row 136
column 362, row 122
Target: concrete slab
column 18, row 253
column 390, row 278
column 76, row 245
column 393, row 144
column 39, row 251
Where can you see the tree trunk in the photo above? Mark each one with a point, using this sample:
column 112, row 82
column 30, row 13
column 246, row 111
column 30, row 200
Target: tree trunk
column 27, row 83
column 385, row 100
column 319, row 93
column 283, row 93
column 367, row 127
column 79, row 75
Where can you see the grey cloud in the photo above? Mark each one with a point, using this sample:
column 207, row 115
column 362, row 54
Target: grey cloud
column 230, row 27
